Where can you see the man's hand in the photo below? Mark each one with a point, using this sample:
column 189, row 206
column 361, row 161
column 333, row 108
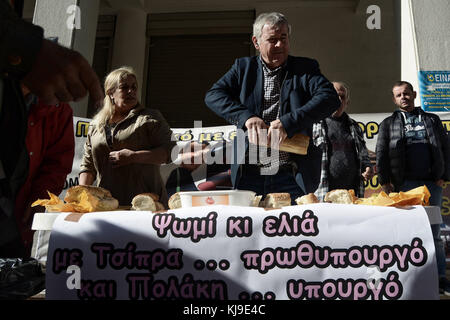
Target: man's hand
column 121, row 158
column 193, row 158
column 388, row 187
column 62, row 75
column 368, row 174
column 277, row 131
column 256, row 129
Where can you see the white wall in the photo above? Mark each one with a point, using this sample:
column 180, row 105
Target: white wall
column 333, row 32
column 53, row 17
column 130, row 42
column 432, row 27
column 337, row 36
column 409, row 48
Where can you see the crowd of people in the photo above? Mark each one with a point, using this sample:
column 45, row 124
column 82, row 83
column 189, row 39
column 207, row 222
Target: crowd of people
column 268, row 97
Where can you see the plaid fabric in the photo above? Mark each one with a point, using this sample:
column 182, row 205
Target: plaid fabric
column 271, row 110
column 320, row 140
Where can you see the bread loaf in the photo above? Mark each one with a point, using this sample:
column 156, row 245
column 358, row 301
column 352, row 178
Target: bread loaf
column 175, row 201
column 297, row 144
column 306, row 199
column 277, row 200
column 146, row 202
column 256, row 201
column 340, row 196
column 159, row 206
column 90, row 199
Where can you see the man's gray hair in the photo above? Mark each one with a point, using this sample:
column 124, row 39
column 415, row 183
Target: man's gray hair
column 271, row 19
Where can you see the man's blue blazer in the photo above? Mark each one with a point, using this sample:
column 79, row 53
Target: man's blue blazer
column 306, row 97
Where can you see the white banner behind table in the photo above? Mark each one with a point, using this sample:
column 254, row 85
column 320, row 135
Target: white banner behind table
column 369, row 123
column 327, row 251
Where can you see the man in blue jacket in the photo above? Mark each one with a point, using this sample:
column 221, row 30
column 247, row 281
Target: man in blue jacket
column 270, row 97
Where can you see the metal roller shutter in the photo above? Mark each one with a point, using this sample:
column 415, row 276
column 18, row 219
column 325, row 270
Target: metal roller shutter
column 187, row 56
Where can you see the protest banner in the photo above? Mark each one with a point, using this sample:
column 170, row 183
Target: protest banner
column 317, row 251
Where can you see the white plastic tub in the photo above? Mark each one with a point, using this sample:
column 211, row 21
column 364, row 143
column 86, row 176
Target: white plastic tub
column 219, row 197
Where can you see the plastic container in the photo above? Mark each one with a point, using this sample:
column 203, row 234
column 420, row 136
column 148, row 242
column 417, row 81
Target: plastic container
column 219, row 197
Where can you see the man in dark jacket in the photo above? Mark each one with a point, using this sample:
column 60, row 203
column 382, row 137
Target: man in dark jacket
column 345, row 157
column 412, row 151
column 270, row 97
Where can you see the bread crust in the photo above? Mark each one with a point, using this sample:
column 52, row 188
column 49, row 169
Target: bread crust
column 74, row 192
column 107, row 204
column 175, row 201
column 159, row 206
column 154, row 196
column 257, row 201
column 100, row 199
column 280, row 196
column 339, row 196
column 277, row 200
column 307, row 199
column 143, row 202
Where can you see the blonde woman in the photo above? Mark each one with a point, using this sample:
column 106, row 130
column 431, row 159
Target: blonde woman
column 126, row 142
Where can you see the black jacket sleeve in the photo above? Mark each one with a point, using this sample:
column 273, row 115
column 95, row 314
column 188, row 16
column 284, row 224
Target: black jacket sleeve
column 223, row 98
column 321, row 103
column 382, row 151
column 444, row 139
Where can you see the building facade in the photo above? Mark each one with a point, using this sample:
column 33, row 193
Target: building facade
column 179, row 48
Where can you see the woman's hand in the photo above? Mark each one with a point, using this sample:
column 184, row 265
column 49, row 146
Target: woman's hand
column 193, row 157
column 368, row 174
column 86, row 178
column 121, row 158
column 125, row 157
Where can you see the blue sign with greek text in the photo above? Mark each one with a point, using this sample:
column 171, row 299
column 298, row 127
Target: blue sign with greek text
column 435, row 90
